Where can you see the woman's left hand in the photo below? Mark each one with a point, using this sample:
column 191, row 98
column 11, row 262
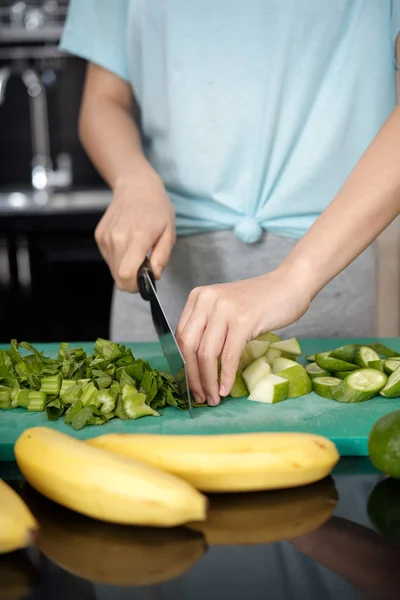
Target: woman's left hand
column 219, row 320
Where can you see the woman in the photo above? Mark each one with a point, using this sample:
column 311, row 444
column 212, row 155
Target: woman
column 252, row 120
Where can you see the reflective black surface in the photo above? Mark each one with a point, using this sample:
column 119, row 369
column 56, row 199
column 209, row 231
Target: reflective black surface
column 336, row 539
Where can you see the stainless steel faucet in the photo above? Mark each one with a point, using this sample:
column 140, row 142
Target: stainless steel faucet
column 43, row 176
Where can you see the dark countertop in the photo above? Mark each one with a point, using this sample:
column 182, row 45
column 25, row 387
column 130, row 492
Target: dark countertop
column 332, row 548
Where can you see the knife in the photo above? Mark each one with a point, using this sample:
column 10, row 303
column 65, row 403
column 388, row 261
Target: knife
column 169, row 345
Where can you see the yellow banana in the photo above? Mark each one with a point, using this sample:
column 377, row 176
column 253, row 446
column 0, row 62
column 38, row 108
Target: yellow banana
column 113, row 554
column 103, row 485
column 17, row 524
column 231, row 463
column 267, row 517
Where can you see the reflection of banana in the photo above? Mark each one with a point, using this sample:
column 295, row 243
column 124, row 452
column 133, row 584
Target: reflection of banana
column 112, row 554
column 268, row 517
column 17, row 525
column 18, row 576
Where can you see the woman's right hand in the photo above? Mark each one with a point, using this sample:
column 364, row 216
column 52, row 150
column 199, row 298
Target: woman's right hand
column 139, row 219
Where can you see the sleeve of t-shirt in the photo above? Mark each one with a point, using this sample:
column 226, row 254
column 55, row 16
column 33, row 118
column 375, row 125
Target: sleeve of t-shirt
column 96, row 30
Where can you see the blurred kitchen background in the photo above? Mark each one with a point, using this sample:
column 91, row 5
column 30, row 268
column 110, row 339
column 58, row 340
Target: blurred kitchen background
column 53, row 282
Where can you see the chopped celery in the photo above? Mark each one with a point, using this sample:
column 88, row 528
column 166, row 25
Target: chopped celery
column 51, row 385
column 65, row 385
column 5, row 398
column 106, row 401
column 134, row 403
column 22, row 399
column 37, row 401
column 89, row 395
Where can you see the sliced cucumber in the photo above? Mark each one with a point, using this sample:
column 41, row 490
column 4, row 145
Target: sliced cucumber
column 271, row 389
column 239, row 388
column 310, row 357
column 288, row 355
column 271, row 354
column 364, row 355
column 323, row 386
column 342, row 374
column 328, row 363
column 269, row 337
column 256, row 371
column 345, row 353
column 377, row 364
column 390, row 365
column 384, row 350
column 314, row 370
column 392, row 388
column 281, row 363
column 290, row 346
column 299, row 381
column 252, row 351
column 360, row 385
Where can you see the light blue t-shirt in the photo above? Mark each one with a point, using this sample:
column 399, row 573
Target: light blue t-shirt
column 253, row 112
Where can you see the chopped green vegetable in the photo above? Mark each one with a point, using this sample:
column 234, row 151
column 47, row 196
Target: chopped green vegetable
column 51, row 384
column 134, row 403
column 37, row 401
column 5, row 397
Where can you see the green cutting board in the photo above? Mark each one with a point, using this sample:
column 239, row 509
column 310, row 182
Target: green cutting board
column 348, row 425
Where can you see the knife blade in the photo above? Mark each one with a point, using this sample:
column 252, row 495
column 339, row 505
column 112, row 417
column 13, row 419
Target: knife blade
column 169, row 345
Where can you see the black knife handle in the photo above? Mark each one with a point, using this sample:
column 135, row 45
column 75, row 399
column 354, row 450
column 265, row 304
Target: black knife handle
column 143, row 283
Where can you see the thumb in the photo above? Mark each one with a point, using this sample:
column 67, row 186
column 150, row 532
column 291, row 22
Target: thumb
column 161, row 252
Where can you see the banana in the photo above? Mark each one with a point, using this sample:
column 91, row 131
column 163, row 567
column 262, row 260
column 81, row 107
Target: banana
column 112, row 554
column 231, row 463
column 267, row 517
column 103, row 485
column 17, row 524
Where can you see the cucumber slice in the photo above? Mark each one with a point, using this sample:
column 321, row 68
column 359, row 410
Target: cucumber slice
column 384, row 350
column 364, row 355
column 342, row 374
column 379, row 365
column 239, row 388
column 291, row 346
column 269, row 337
column 310, row 357
column 299, row 382
column 390, row 365
column 271, row 389
column 360, row 385
column 287, row 355
column 392, row 388
column 281, row 363
column 252, row 351
column 256, row 371
column 328, row 363
column 345, row 353
column 314, row 370
column 323, row 386
column 271, row 354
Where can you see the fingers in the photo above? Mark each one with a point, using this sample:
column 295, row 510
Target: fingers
column 230, row 358
column 210, row 348
column 189, row 340
column 162, row 251
column 125, row 274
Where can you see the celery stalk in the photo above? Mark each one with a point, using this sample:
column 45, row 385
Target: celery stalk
column 51, row 385
column 37, row 401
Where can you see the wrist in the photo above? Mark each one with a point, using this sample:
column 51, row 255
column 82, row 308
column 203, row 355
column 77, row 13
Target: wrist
column 302, row 275
column 138, row 168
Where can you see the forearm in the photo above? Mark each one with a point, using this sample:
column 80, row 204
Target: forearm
column 365, row 206
column 110, row 136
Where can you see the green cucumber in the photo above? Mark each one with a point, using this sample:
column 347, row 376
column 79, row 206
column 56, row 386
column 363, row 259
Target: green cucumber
column 299, row 381
column 364, row 355
column 345, row 353
column 270, row 389
column 384, row 350
column 256, row 371
column 377, row 364
column 314, row 370
column 271, row 354
column 390, row 365
column 323, row 386
column 310, row 357
column 328, row 363
column 360, row 385
column 290, row 346
column 239, row 388
column 342, row 374
column 392, row 388
column 269, row 337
